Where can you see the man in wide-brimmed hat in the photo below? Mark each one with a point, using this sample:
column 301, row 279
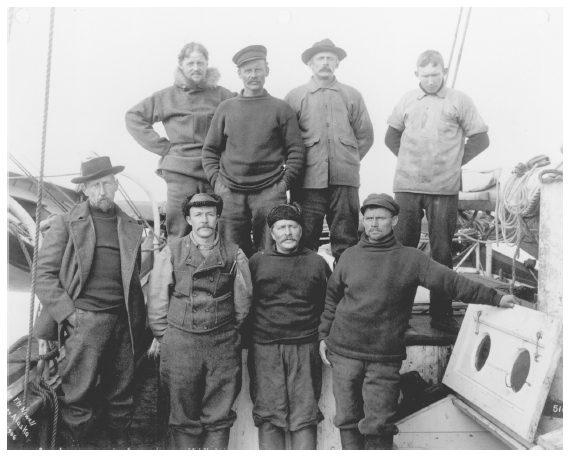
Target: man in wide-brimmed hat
column 337, row 133
column 185, row 110
column 88, row 282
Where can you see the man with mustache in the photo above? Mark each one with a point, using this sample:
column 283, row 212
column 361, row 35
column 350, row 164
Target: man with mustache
column 253, row 153
column 199, row 295
column 337, row 133
column 369, row 301
column 88, row 282
column 185, row 110
column 427, row 132
column 289, row 284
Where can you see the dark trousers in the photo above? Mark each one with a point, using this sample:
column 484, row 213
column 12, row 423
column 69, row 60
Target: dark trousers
column 98, row 346
column 340, row 205
column 178, row 187
column 201, row 374
column 245, row 212
column 441, row 213
column 365, row 394
column 285, row 384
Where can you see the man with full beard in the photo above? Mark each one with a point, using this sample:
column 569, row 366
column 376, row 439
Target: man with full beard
column 88, row 282
column 185, row 110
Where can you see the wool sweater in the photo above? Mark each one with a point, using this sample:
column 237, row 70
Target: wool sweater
column 250, row 141
column 371, row 294
column 185, row 110
column 103, row 290
column 288, row 295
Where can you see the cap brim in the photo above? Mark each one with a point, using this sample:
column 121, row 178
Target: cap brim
column 99, row 174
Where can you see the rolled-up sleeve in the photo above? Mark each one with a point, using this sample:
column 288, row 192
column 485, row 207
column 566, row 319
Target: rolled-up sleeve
column 469, row 118
column 159, row 289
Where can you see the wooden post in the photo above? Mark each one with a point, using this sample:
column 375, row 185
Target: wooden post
column 550, row 285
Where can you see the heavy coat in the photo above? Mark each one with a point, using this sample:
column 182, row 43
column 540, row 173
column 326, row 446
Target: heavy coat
column 336, row 130
column 64, row 263
column 185, row 110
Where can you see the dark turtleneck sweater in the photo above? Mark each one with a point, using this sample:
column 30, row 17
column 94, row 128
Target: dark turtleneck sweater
column 103, row 290
column 250, row 141
column 371, row 294
column 288, row 295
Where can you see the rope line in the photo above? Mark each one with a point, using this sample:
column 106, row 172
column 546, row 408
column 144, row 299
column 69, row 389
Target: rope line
column 39, row 209
column 455, row 39
column 461, row 48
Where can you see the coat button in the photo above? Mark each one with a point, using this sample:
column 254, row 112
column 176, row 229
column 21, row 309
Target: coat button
column 194, row 294
column 208, row 293
column 194, row 310
column 205, row 327
column 193, row 326
column 328, row 125
column 211, row 279
column 207, row 309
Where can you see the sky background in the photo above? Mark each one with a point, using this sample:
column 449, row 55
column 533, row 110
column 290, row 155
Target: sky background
column 105, row 60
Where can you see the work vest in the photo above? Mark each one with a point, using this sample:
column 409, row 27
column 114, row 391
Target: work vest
column 203, row 293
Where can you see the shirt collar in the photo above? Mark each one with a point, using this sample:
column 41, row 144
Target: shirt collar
column 441, row 93
column 313, row 86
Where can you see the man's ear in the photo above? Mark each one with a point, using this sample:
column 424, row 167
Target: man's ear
column 394, row 221
column 445, row 72
column 266, row 70
column 84, row 189
column 416, row 73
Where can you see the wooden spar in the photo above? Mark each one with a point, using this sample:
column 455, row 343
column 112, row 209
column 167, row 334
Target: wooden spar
column 550, row 283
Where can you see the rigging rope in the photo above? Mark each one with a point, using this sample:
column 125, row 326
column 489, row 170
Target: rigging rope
column 38, row 209
column 461, row 48
column 454, row 39
column 34, row 179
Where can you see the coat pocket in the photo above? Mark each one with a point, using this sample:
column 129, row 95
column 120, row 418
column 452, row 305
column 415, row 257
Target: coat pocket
column 351, row 147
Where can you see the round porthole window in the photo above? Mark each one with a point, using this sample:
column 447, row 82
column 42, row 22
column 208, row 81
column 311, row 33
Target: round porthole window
column 521, row 369
column 482, row 353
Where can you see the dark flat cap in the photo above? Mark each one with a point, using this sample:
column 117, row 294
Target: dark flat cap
column 97, row 168
column 325, row 45
column 254, row 52
column 202, row 199
column 382, row 201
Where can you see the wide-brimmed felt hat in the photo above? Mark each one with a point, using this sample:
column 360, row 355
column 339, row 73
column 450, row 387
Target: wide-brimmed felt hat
column 325, row 45
column 96, row 168
column 254, row 52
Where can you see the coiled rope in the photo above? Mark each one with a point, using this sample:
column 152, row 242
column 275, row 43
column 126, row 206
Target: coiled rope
column 49, row 399
column 39, row 209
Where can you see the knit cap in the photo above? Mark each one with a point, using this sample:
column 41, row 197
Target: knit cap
column 288, row 212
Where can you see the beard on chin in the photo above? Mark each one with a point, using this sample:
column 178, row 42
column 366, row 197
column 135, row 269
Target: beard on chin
column 104, row 204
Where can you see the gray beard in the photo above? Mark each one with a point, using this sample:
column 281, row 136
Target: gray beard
column 104, row 205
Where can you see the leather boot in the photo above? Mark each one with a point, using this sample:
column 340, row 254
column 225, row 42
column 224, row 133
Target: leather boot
column 271, row 437
column 379, row 442
column 216, row 439
column 183, row 441
column 351, row 439
column 304, row 439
